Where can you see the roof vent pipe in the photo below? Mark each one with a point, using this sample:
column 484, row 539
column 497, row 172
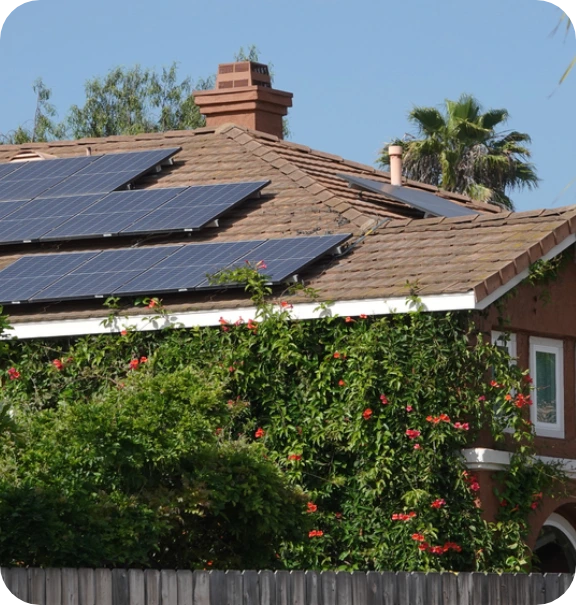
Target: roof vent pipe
column 395, row 153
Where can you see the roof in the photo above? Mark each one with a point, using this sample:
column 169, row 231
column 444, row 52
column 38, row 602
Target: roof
column 392, row 245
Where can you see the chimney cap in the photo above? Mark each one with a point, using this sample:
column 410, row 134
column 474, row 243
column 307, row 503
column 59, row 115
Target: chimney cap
column 243, row 73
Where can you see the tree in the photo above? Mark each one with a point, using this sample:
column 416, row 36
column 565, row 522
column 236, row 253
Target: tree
column 568, row 25
column 460, row 150
column 142, row 475
column 136, row 100
column 44, row 128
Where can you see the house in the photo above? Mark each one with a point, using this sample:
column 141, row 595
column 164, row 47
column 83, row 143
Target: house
column 370, row 234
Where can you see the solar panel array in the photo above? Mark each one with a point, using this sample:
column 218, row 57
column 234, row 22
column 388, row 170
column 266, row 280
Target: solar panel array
column 421, row 200
column 73, row 198
column 152, row 270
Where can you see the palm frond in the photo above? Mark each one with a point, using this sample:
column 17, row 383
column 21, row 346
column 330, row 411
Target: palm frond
column 428, row 120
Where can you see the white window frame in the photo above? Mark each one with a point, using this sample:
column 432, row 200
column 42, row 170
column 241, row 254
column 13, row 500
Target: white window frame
column 548, row 345
column 512, row 351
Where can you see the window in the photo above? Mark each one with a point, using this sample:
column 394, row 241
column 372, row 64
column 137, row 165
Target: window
column 507, row 341
column 546, row 369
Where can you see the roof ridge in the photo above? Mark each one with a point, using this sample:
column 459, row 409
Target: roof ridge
column 246, row 137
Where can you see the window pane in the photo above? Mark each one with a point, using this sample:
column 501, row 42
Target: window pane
column 546, row 387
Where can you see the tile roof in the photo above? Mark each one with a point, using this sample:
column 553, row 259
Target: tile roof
column 392, row 244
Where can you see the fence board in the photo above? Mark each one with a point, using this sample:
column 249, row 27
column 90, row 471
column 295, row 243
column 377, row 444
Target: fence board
column 267, row 588
column 168, row 587
column 86, row 588
column 152, row 582
column 449, row 588
column 359, row 588
column 201, row 588
column 565, row 581
column 136, row 587
column 402, row 590
column 217, row 587
column 54, row 587
column 234, row 588
column 537, row 589
column 522, row 588
column 102, row 587
column 19, row 583
column 478, row 589
column 552, row 583
column 374, row 588
column 251, row 583
column 298, row 583
column 417, row 588
column 493, row 589
column 434, row 589
column 37, row 579
column 185, row 582
column 120, row 587
column 328, row 579
column 343, row 588
column 70, row 586
column 313, row 588
column 283, row 592
column 464, row 582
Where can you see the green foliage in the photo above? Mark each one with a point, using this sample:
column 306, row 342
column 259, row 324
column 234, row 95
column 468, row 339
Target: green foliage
column 461, row 151
column 190, row 438
column 142, row 475
column 135, row 100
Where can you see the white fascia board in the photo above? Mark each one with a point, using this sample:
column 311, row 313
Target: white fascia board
column 486, row 459
column 189, row 319
column 499, row 292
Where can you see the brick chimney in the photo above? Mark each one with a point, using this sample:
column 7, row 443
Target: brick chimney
column 244, row 96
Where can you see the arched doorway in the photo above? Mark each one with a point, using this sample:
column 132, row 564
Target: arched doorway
column 555, row 547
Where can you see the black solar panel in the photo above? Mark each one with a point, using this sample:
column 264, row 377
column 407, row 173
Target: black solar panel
column 421, row 200
column 136, row 200
column 61, row 167
column 52, row 207
column 7, row 208
column 12, row 190
column 137, row 161
column 152, row 270
column 84, row 184
column 285, row 257
column 196, row 207
column 26, row 230
column 7, row 169
column 87, row 225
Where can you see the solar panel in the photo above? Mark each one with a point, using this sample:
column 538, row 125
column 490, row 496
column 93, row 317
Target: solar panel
column 13, row 190
column 52, row 207
column 136, row 199
column 285, row 257
column 7, row 169
column 26, row 230
column 196, row 207
column 152, row 270
column 83, row 184
column 87, row 225
column 421, row 200
column 187, row 268
column 60, row 167
column 7, row 208
column 134, row 161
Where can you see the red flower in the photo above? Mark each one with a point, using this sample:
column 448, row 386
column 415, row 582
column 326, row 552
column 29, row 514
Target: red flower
column 493, row 383
column 239, row 322
column 225, row 329
column 418, row 537
column 437, row 550
column 349, row 320
column 482, row 398
column 295, row 457
column 384, row 399
column 13, row 374
column 438, row 503
column 503, row 503
column 218, row 431
column 475, row 486
column 528, row 379
column 409, row 408
column 231, row 369
column 57, row 364
column 312, row 508
column 534, row 505
column 153, row 303
column 423, row 546
column 338, row 515
column 412, row 433
column 286, row 305
column 336, row 355
column 134, row 363
column 223, row 322
column 363, row 316
column 124, row 332
column 261, row 265
column 444, row 418
column 459, row 425
column 315, row 533
column 367, row 413
column 416, row 446
column 259, row 433
column 341, row 383
column 143, row 359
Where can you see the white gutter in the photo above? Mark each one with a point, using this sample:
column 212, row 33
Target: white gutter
column 189, row 319
column 485, row 459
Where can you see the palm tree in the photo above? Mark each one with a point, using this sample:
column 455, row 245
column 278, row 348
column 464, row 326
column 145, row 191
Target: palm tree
column 461, row 151
column 566, row 18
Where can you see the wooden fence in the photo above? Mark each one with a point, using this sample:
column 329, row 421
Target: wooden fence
column 136, row 587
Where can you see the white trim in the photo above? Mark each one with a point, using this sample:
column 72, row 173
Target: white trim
column 486, row 459
column 188, row 319
column 512, row 283
column 380, row 306
column 510, row 344
column 555, row 347
column 557, row 521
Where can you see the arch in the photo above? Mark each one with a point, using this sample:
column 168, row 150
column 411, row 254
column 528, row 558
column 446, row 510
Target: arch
column 555, row 547
column 559, row 522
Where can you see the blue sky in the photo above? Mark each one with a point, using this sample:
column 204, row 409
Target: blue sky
column 355, row 67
